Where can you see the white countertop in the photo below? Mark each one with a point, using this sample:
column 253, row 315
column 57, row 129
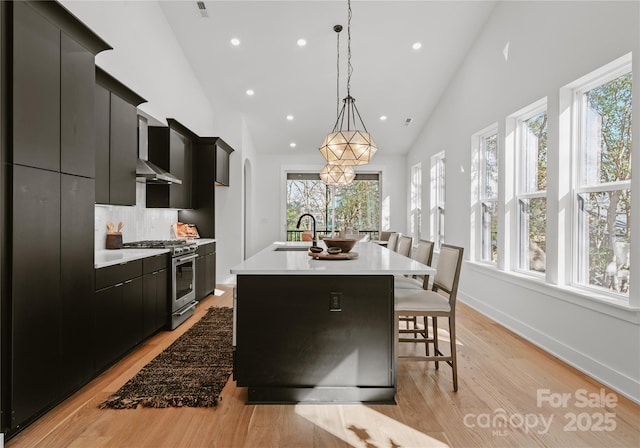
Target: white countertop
column 107, row 257
column 201, row 241
column 373, row 259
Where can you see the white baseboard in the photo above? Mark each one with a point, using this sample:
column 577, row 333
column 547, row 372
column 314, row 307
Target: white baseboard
column 621, row 383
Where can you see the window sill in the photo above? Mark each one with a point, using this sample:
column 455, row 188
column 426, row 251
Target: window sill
column 618, row 308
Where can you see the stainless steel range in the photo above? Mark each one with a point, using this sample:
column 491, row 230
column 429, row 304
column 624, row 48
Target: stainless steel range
column 183, row 275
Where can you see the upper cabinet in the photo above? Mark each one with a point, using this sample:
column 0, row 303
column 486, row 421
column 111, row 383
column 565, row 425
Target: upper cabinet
column 53, row 76
column 171, row 148
column 208, row 151
column 223, row 152
column 36, row 89
column 116, row 138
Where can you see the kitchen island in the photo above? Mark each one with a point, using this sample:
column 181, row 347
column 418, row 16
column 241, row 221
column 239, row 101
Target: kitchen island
column 319, row 331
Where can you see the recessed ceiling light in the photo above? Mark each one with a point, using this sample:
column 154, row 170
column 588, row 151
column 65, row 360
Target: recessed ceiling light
column 416, row 45
column 289, row 117
column 292, row 144
column 383, row 117
column 235, row 42
column 250, row 92
column 302, row 42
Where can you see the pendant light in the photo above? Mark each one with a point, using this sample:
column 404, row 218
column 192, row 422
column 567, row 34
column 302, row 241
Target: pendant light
column 348, row 145
column 337, row 175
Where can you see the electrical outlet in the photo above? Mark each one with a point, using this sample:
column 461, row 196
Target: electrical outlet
column 335, row 301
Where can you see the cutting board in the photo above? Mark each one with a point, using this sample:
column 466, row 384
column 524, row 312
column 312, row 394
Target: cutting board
column 340, row 256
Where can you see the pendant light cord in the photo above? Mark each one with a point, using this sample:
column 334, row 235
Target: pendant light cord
column 349, row 66
column 338, row 77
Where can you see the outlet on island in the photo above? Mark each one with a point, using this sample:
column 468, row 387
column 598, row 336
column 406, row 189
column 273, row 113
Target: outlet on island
column 335, row 301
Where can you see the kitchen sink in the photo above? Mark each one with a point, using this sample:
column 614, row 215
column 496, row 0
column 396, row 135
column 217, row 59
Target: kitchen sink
column 292, row 249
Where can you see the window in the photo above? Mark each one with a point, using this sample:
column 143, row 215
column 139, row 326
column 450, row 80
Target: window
column 488, row 196
column 531, row 198
column 437, row 199
column 351, row 209
column 602, row 186
column 416, row 201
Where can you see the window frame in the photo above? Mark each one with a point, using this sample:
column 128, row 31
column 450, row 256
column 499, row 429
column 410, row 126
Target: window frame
column 310, row 174
column 479, row 231
column 593, row 80
column 415, row 198
column 520, row 195
column 486, row 241
column 438, row 198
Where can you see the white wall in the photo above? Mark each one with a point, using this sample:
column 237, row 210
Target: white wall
column 147, row 58
column 550, row 45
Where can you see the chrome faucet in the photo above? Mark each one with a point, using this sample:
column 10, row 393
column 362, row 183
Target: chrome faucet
column 315, row 240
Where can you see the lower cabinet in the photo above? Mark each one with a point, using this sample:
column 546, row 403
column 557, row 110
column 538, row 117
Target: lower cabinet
column 205, row 270
column 130, row 304
column 155, row 300
column 118, row 311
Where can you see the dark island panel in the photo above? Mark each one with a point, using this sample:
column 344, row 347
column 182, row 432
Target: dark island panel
column 315, row 338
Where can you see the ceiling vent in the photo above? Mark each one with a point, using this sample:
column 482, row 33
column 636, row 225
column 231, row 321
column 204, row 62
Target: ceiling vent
column 203, row 9
column 407, row 122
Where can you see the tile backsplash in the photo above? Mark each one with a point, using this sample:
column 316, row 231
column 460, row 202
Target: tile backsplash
column 140, row 223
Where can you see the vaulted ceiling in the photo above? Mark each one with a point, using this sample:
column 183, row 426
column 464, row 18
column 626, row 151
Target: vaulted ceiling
column 389, row 77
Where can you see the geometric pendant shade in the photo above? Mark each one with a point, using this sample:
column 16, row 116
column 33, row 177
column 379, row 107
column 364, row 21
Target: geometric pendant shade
column 337, row 175
column 348, row 147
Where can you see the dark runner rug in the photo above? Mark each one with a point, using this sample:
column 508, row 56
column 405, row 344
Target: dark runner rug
column 190, row 372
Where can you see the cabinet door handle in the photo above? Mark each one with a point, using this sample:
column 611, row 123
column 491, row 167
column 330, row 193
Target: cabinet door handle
column 118, row 285
column 128, row 281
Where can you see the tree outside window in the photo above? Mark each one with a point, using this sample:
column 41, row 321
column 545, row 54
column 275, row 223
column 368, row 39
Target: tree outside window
column 489, row 197
column 603, row 193
column 357, row 206
column 532, row 201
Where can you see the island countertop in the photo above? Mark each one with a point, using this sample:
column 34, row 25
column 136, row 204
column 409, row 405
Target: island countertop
column 282, row 258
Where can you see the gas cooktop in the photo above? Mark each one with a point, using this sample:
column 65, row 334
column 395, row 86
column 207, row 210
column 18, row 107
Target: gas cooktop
column 177, row 247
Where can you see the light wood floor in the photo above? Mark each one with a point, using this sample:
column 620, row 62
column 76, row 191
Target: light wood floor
column 500, row 376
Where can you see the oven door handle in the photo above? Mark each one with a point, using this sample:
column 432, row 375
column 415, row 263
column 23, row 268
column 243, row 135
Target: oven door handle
column 190, row 257
column 189, row 308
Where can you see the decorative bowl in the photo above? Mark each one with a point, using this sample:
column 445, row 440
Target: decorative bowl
column 345, row 244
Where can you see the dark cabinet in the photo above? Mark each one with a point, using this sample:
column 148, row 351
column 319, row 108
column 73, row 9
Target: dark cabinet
column 36, row 89
column 35, row 311
column 77, row 73
column 117, row 311
column 102, row 129
column 123, row 152
column 131, row 314
column 170, row 148
column 47, row 290
column 131, row 303
column 117, row 328
column 107, row 311
column 155, row 294
column 205, row 270
column 116, row 139
column 223, row 152
column 77, row 280
column 206, row 150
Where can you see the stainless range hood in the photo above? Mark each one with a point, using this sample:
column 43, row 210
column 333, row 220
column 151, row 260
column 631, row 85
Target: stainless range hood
column 147, row 172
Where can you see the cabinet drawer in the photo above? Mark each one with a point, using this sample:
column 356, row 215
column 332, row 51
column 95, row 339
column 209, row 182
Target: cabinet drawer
column 112, row 275
column 155, row 263
column 206, row 249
